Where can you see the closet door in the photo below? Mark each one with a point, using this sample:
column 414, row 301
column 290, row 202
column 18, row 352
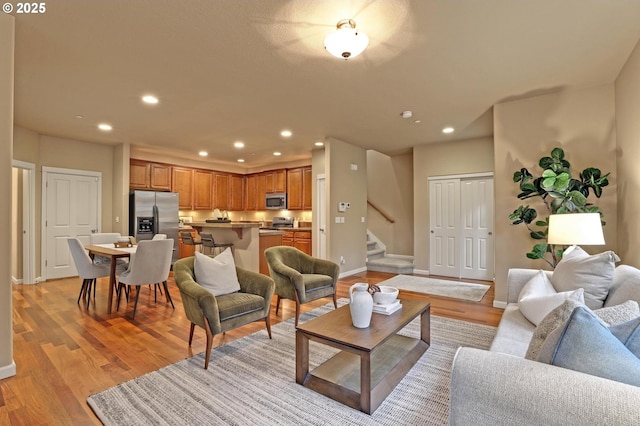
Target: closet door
column 476, row 199
column 444, row 232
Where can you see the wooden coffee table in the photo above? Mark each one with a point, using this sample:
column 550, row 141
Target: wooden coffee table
column 372, row 361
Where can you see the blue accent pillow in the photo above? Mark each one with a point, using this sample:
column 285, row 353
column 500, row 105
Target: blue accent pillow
column 586, row 345
column 629, row 334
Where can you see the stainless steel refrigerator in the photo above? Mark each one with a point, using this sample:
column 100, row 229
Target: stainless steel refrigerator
column 152, row 213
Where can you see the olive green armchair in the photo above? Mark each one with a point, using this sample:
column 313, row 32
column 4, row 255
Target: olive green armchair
column 217, row 314
column 300, row 277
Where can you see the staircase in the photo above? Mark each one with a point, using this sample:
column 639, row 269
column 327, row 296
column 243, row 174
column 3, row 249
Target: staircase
column 378, row 259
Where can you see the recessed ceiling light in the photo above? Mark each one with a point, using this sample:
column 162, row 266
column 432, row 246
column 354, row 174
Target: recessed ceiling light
column 277, row 154
column 240, row 160
column 79, row 116
column 203, row 153
column 286, row 133
column 238, row 144
column 105, row 127
column 418, row 121
column 406, row 114
column 149, row 99
column 448, row 130
column 319, row 143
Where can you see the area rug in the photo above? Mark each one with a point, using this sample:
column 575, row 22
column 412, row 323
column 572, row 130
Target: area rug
column 455, row 289
column 251, row 381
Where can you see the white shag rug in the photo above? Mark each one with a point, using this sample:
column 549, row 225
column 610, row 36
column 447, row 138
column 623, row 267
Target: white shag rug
column 455, row 289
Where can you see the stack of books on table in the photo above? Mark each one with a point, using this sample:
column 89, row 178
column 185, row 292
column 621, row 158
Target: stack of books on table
column 387, row 309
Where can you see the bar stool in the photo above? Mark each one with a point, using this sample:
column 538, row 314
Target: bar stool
column 208, row 242
column 187, row 240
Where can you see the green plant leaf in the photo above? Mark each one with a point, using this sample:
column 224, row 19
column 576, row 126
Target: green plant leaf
column 557, row 154
column 538, row 235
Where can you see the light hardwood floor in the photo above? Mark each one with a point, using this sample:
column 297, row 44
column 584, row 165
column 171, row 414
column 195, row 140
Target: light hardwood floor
column 64, row 352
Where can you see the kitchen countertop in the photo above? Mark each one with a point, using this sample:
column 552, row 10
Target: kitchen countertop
column 226, row 225
column 265, row 232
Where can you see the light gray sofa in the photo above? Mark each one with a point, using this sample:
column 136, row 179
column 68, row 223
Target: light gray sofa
column 501, row 387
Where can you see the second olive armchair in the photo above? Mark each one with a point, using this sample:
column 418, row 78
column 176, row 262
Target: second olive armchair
column 217, row 314
column 300, row 277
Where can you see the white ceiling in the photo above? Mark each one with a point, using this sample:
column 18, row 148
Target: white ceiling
column 228, row 70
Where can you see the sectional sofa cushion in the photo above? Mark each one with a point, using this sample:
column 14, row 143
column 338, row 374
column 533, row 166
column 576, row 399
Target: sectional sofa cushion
column 578, row 269
column 619, row 314
column 584, row 344
column 216, row 274
column 538, row 297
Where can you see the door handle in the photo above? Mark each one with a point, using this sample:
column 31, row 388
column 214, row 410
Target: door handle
column 490, row 233
column 432, row 231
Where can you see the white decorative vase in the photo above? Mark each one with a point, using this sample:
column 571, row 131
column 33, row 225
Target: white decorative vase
column 361, row 305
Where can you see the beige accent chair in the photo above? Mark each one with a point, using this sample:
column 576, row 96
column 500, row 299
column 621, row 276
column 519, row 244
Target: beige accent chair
column 300, row 277
column 218, row 314
column 150, row 265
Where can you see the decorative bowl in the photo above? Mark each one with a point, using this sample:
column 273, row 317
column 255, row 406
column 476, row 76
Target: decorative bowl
column 386, row 295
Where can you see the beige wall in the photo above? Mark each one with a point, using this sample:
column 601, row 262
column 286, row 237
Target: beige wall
column 441, row 159
column 627, row 91
column 582, row 122
column 7, row 31
column 390, row 188
column 346, row 239
column 16, row 223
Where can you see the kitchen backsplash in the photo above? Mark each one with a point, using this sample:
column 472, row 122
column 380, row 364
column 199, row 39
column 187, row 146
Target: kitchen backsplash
column 303, row 216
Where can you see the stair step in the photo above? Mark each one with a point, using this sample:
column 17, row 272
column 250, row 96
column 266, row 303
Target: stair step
column 375, row 253
column 391, row 265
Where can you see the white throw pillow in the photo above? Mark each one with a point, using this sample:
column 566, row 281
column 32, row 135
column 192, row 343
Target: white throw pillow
column 217, row 274
column 538, row 297
column 578, row 269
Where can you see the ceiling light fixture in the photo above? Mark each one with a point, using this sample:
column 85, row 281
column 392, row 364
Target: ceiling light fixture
column 406, row 114
column 238, row 144
column 105, row 127
column 346, row 42
column 277, row 154
column 448, row 130
column 203, row 153
column 319, row 143
column 149, row 99
column 286, row 133
column 240, row 160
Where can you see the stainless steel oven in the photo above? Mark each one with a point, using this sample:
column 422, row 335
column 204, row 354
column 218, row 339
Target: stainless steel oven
column 276, row 201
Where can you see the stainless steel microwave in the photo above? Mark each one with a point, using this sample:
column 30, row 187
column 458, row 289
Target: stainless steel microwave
column 276, row 201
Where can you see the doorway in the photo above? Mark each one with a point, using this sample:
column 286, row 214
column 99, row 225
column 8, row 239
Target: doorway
column 71, row 207
column 23, row 265
column 461, row 241
column 320, row 216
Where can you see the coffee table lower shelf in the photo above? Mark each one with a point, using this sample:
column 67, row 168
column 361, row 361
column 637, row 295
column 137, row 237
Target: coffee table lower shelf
column 342, row 377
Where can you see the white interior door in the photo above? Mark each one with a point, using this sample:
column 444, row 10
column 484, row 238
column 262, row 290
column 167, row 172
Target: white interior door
column 444, row 217
column 321, row 217
column 476, row 198
column 71, row 208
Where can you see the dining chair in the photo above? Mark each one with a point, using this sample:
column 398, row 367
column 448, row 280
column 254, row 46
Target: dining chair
column 300, row 277
column 106, row 238
column 150, row 265
column 87, row 269
column 159, row 237
column 208, row 242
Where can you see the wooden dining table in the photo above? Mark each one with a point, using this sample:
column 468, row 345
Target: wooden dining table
column 114, row 253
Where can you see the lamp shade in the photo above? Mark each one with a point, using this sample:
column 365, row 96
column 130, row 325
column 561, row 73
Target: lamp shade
column 575, row 229
column 346, row 42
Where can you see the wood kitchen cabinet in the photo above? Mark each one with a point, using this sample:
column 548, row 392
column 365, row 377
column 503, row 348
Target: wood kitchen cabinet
column 261, row 192
column 276, row 181
column 298, row 239
column 182, row 183
column 203, row 190
column 299, row 187
column 267, row 241
column 147, row 175
column 250, row 192
column 236, row 192
column 221, row 191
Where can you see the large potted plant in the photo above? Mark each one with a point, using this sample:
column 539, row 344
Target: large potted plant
column 560, row 193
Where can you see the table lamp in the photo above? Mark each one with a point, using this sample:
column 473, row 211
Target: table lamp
column 575, row 229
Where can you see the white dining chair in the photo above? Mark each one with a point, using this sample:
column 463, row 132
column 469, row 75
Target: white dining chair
column 87, row 269
column 159, row 237
column 150, row 265
column 105, row 238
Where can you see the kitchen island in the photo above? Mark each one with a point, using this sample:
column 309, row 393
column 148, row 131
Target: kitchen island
column 245, row 237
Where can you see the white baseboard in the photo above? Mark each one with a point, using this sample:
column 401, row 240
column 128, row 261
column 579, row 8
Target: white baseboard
column 421, row 271
column 499, row 304
column 15, row 280
column 8, row 370
column 352, row 272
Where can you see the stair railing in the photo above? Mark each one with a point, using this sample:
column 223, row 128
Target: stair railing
column 379, row 210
